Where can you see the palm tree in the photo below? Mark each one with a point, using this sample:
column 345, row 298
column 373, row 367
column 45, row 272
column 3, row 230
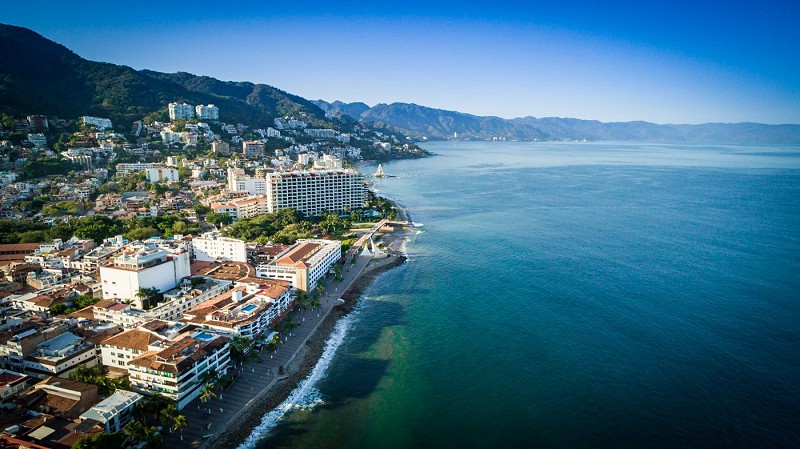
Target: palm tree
column 179, row 423
column 133, row 431
column 210, row 376
column 207, row 393
column 151, row 437
column 240, row 346
column 168, row 414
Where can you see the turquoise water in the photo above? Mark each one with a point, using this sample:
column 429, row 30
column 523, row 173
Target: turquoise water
column 565, row 295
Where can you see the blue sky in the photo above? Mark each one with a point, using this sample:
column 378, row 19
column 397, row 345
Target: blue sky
column 666, row 62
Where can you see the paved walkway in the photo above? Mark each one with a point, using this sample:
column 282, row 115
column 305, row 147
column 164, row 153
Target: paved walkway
column 257, row 377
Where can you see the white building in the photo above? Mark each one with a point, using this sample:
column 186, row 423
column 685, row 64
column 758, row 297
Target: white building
column 304, row 263
column 12, row 383
column 212, row 246
column 168, row 136
column 175, row 367
column 321, row 133
column 126, row 168
column 209, row 112
column 99, row 123
column 238, row 181
column 115, row 411
column 180, row 111
column 243, row 208
column 60, row 355
column 272, row 132
column 161, row 175
column 144, row 266
column 313, row 192
column 328, row 162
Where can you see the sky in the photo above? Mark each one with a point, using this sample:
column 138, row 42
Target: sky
column 663, row 62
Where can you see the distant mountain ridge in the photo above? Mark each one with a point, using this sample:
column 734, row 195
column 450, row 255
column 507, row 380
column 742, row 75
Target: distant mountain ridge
column 39, row 76
column 421, row 122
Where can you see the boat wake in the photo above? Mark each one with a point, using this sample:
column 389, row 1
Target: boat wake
column 306, row 395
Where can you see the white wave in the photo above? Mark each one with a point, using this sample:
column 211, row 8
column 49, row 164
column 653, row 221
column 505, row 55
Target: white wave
column 305, row 395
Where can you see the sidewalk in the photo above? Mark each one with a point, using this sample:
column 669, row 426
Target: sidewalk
column 254, row 379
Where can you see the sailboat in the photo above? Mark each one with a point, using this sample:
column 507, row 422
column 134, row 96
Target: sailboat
column 380, row 174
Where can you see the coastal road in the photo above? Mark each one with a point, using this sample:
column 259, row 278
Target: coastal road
column 255, row 378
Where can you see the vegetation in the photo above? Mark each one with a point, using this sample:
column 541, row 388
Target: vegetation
column 149, row 297
column 78, row 303
column 98, row 375
column 45, row 167
column 286, row 226
column 97, row 228
column 101, row 440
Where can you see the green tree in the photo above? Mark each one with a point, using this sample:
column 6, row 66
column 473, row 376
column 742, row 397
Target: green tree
column 240, row 345
column 179, row 423
column 219, row 220
column 149, row 297
column 207, row 393
column 101, row 440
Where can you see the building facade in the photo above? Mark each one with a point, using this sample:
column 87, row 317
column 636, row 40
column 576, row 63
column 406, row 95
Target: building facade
column 304, row 263
column 212, row 246
column 180, row 111
column 207, row 112
column 144, row 266
column 161, row 175
column 313, row 192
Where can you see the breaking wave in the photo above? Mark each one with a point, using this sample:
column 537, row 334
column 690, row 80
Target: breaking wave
column 306, row 395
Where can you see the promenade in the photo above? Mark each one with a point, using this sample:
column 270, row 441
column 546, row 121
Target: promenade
column 207, row 421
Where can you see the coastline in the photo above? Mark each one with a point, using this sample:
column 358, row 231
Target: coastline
column 241, row 427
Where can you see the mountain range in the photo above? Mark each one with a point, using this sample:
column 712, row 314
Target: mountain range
column 421, row 122
column 39, row 76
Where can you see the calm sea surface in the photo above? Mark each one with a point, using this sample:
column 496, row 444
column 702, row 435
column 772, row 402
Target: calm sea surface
column 566, row 295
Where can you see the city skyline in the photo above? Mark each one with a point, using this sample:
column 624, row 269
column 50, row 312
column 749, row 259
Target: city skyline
column 680, row 63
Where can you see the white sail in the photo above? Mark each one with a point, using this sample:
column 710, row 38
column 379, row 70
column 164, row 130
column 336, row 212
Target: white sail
column 379, row 172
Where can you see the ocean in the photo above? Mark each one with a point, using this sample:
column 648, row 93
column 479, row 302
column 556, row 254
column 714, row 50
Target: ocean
column 572, row 295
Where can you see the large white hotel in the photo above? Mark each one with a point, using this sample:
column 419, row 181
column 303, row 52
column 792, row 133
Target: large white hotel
column 311, row 192
column 315, row 191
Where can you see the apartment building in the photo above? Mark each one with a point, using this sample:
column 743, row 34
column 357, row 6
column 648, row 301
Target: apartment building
column 207, row 112
column 180, row 111
column 212, row 246
column 315, row 191
column 304, row 263
column 144, row 266
column 248, row 310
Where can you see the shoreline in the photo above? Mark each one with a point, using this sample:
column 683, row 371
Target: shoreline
column 240, row 428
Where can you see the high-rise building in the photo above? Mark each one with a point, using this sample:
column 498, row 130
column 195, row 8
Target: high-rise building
column 209, row 112
column 180, row 111
column 313, row 192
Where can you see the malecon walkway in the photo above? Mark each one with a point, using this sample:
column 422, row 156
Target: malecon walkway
column 209, row 420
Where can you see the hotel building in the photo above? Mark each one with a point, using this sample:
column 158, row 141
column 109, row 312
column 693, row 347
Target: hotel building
column 313, row 192
column 303, row 264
